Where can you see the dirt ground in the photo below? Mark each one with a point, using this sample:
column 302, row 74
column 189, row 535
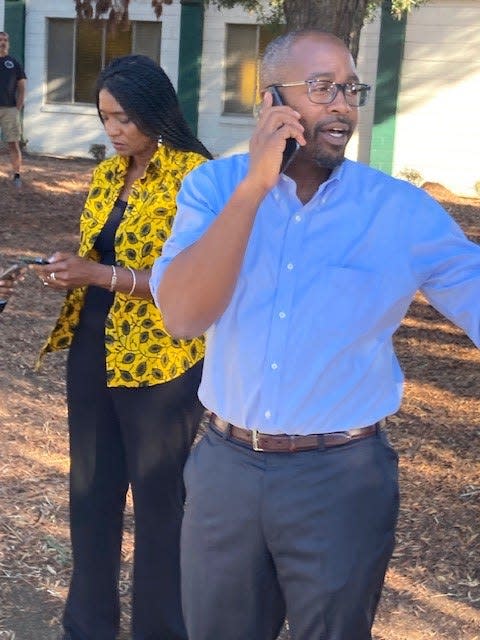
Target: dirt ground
column 433, row 585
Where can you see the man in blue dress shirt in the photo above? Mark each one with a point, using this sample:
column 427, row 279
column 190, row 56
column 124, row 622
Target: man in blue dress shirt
column 299, row 279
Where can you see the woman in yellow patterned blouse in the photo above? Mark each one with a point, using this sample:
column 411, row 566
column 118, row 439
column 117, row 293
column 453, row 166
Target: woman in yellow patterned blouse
column 131, row 388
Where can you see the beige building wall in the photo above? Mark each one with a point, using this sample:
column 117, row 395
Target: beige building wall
column 221, row 134
column 437, row 126
column 438, row 123
column 70, row 130
column 359, row 146
column 225, row 135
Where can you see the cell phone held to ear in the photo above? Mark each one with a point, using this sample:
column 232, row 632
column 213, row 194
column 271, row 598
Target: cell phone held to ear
column 291, row 144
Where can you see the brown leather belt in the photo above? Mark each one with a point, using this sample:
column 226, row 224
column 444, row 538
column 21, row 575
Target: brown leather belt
column 288, row 443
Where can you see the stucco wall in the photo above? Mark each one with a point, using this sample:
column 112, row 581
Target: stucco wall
column 359, row 146
column 220, row 134
column 69, row 130
column 438, row 128
column 230, row 134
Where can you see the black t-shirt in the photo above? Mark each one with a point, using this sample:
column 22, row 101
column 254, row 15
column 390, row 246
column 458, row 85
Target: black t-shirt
column 98, row 300
column 11, row 71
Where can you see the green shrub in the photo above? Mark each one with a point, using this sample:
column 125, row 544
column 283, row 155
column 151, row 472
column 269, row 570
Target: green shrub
column 411, row 175
column 97, row 151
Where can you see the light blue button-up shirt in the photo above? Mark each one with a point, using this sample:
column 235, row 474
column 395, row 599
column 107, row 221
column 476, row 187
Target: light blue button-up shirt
column 305, row 345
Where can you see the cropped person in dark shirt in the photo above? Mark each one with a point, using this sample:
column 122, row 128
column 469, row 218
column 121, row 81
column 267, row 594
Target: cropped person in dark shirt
column 12, row 97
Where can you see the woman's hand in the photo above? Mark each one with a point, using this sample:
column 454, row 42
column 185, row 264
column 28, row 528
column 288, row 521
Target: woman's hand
column 69, row 271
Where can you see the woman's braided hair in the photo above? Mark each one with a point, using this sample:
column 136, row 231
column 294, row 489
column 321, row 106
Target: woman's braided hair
column 147, row 96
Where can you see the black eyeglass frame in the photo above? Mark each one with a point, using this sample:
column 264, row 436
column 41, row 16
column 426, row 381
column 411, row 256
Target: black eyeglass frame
column 364, row 88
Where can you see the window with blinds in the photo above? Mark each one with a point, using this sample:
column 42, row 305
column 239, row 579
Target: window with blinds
column 77, row 50
column 244, row 45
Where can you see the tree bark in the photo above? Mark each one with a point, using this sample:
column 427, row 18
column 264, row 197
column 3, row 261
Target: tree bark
column 344, row 18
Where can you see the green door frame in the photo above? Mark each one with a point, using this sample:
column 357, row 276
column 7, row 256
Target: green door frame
column 15, row 27
column 190, row 59
column 390, row 57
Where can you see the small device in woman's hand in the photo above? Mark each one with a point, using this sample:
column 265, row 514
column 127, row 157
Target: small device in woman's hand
column 32, row 260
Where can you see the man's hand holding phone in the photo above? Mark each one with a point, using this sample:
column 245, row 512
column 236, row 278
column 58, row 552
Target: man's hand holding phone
column 291, row 144
column 12, row 275
column 276, row 139
column 9, row 278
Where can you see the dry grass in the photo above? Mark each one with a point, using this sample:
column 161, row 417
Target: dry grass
column 433, row 585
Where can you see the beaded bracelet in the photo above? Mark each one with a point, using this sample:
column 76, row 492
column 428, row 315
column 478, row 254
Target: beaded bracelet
column 134, row 281
column 113, row 281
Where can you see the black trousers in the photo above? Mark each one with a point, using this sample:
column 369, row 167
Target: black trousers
column 120, row 437
column 304, row 534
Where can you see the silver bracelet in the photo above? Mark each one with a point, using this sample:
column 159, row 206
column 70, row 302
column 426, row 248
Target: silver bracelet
column 134, row 281
column 113, row 281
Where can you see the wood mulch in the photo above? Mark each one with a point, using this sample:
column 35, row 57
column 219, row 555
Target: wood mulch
column 433, row 585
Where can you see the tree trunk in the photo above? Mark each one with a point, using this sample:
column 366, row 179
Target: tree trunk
column 344, row 18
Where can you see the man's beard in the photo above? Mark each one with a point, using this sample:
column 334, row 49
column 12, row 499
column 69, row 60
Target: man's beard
column 328, row 158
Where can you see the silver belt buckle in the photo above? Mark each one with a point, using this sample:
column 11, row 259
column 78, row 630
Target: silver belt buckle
column 255, row 445
column 343, row 436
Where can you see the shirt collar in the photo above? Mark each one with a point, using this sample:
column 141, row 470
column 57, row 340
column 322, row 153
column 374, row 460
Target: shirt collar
column 335, row 177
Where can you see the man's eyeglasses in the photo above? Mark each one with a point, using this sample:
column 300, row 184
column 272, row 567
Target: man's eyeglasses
column 325, row 92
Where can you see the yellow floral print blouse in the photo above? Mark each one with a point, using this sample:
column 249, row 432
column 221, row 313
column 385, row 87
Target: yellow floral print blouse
column 138, row 350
